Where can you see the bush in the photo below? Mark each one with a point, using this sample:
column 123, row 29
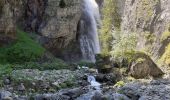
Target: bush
column 110, row 19
column 23, row 50
column 123, row 46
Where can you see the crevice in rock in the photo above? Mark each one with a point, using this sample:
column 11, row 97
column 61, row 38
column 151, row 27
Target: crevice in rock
column 62, row 4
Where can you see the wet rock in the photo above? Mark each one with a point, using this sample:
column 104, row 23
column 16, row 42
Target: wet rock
column 5, row 95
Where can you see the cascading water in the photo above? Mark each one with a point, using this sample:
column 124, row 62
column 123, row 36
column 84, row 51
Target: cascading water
column 89, row 41
column 93, row 82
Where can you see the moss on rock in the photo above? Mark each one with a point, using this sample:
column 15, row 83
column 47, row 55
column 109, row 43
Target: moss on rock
column 165, row 36
column 166, row 56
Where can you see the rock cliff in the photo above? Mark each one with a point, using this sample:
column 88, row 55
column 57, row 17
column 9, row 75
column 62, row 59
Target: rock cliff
column 54, row 21
column 149, row 19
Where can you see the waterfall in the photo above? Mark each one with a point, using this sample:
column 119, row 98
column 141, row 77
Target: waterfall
column 89, row 41
column 93, row 82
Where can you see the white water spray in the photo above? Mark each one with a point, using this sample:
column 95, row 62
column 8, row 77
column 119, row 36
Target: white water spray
column 89, row 41
column 93, row 82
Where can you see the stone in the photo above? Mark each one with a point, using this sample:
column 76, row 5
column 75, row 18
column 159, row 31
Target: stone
column 97, row 96
column 5, row 95
column 117, row 96
column 73, row 93
column 143, row 66
column 21, row 87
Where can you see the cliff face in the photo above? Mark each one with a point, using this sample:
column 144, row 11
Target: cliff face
column 150, row 20
column 54, row 21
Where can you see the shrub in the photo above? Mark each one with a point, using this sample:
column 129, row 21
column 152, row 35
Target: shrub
column 110, row 19
column 123, row 46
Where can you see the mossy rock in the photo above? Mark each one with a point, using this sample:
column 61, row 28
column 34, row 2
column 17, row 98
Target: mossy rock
column 143, row 66
column 165, row 58
column 103, row 63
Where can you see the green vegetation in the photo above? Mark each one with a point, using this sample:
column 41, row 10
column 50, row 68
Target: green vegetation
column 166, row 56
column 146, row 9
column 165, row 36
column 111, row 19
column 119, row 84
column 149, row 37
column 124, row 46
column 23, row 50
column 140, row 60
column 57, row 64
column 5, row 70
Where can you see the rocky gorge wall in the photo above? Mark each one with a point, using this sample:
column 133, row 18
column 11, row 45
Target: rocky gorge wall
column 55, row 22
column 150, row 20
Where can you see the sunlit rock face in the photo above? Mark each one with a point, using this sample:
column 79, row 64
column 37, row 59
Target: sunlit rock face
column 54, row 21
column 150, row 19
column 62, row 17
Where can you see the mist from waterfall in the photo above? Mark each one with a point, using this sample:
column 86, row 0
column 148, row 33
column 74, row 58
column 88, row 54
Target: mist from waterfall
column 89, row 41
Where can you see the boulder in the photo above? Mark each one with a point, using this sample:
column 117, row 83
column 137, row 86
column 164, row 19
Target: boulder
column 143, row 66
column 103, row 63
column 5, row 95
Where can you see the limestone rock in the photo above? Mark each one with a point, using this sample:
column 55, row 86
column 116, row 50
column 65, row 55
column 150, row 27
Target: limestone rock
column 143, row 66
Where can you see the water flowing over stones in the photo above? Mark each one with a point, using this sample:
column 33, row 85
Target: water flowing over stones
column 93, row 82
column 89, row 41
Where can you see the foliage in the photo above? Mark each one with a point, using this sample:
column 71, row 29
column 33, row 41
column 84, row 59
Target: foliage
column 23, row 50
column 123, row 46
column 120, row 84
column 140, row 60
column 111, row 18
column 149, row 37
column 165, row 36
column 5, row 70
column 57, row 64
column 166, row 56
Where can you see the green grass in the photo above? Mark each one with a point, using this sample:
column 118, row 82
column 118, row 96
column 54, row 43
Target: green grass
column 5, row 70
column 23, row 50
column 58, row 64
